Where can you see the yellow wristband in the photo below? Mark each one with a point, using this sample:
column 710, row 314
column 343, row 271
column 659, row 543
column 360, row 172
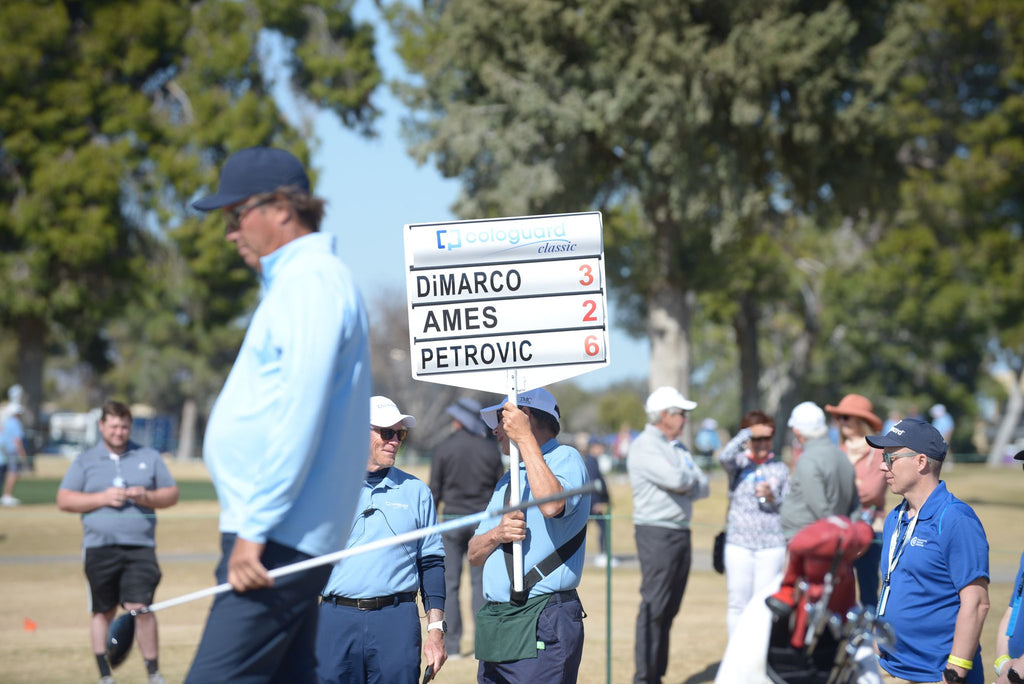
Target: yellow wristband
column 960, row 662
column 1000, row 661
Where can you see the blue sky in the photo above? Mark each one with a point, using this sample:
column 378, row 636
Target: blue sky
column 374, row 188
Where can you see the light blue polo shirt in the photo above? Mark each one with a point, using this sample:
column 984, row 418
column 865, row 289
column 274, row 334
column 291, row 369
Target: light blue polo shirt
column 543, row 535
column 287, row 440
column 948, row 551
column 396, row 504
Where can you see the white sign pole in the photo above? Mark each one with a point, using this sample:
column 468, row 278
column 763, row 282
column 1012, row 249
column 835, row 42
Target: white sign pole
column 515, row 492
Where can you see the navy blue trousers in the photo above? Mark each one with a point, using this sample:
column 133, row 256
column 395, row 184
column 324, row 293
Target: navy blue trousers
column 265, row 635
column 560, row 627
column 368, row 646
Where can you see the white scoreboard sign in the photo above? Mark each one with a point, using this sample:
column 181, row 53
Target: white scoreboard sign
column 495, row 295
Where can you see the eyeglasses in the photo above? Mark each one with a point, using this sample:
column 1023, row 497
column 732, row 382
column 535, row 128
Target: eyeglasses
column 762, row 439
column 235, row 215
column 677, row 412
column 844, row 417
column 889, row 457
column 387, row 434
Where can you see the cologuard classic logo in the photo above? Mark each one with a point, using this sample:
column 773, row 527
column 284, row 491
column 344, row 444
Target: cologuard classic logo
column 546, row 239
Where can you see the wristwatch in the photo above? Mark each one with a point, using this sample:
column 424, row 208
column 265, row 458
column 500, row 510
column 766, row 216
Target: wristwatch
column 440, row 624
column 952, row 676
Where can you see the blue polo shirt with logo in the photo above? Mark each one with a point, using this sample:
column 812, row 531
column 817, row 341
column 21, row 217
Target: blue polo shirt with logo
column 543, row 535
column 1015, row 630
column 947, row 551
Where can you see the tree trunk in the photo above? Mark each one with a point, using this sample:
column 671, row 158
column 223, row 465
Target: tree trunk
column 668, row 327
column 31, row 360
column 793, row 383
column 187, row 431
column 1013, row 381
column 745, row 324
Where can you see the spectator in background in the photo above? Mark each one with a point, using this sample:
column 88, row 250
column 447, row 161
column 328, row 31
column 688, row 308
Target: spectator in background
column 600, row 502
column 707, row 440
column 856, row 418
column 12, row 445
column 823, row 479
column 893, row 418
column 464, row 469
column 666, row 481
column 942, row 421
column 755, row 547
column 116, row 485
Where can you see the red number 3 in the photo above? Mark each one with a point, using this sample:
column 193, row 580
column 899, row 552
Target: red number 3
column 588, row 275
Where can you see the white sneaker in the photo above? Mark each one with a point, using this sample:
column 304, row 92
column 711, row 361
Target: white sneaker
column 107, row 680
column 9, row 501
column 156, row 678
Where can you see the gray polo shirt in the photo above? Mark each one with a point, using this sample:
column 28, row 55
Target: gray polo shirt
column 95, row 470
column 822, row 485
column 665, row 481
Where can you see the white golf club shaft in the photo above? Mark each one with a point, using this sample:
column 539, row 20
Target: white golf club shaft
column 475, row 519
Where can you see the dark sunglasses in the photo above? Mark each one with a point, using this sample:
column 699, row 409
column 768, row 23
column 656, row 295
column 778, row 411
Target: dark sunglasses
column 762, row 439
column 844, row 417
column 235, row 215
column 387, row 434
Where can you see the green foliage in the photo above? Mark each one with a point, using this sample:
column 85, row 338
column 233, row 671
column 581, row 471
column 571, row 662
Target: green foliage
column 114, row 116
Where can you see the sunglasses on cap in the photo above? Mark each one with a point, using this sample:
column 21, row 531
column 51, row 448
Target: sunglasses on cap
column 889, row 457
column 234, row 215
column 387, row 434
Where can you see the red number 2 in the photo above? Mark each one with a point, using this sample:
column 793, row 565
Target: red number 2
column 589, row 316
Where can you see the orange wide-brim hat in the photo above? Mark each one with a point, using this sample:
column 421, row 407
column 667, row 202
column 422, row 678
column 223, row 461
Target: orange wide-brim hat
column 859, row 406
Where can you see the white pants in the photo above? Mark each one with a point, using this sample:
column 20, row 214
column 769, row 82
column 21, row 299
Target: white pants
column 747, row 571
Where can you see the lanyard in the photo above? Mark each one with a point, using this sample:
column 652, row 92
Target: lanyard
column 897, row 545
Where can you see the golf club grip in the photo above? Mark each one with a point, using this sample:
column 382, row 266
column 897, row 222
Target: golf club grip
column 475, row 519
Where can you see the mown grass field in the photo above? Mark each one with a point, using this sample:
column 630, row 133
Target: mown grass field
column 41, row 579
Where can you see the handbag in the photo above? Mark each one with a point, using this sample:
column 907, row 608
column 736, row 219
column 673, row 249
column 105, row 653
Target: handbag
column 718, row 553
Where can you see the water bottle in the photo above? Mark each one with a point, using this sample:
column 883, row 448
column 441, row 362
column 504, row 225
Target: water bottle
column 758, row 479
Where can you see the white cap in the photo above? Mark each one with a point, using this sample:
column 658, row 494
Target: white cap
column 666, row 398
column 539, row 399
column 385, row 413
column 807, row 417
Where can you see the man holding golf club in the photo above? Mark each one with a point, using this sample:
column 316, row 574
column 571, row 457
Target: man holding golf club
column 535, row 635
column 369, row 627
column 286, row 441
column 116, row 485
column 934, row 565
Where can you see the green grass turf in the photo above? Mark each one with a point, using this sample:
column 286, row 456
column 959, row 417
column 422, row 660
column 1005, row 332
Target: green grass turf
column 33, row 490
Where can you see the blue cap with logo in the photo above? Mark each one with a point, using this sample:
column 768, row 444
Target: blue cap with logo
column 253, row 171
column 912, row 433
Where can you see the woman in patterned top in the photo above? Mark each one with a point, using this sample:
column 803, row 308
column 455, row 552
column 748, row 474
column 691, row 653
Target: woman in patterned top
column 755, row 548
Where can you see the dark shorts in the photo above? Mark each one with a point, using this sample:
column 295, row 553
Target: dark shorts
column 121, row 574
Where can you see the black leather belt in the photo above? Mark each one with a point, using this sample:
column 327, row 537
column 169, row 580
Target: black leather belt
column 563, row 596
column 370, row 603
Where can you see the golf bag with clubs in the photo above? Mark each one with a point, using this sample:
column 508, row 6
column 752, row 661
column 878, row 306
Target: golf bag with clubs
column 812, row 632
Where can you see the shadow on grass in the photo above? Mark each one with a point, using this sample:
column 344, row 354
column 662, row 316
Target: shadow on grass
column 705, row 675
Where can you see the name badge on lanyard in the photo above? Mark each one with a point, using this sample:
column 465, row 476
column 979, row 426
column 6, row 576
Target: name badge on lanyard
column 897, row 545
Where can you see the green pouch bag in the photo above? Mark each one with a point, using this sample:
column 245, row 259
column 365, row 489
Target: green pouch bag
column 505, row 632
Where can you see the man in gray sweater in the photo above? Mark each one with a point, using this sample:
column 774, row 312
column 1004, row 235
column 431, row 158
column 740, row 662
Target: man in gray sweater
column 823, row 479
column 665, row 482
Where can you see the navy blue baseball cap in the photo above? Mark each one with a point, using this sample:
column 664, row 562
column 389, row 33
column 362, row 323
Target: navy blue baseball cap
column 253, row 171
column 912, row 433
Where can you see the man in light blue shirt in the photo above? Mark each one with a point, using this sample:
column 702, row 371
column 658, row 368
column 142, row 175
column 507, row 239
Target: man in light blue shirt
column 286, row 441
column 536, row 637
column 369, row 628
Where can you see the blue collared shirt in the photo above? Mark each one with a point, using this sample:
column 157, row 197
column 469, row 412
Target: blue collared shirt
column 543, row 535
column 394, row 505
column 948, row 551
column 287, row 439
